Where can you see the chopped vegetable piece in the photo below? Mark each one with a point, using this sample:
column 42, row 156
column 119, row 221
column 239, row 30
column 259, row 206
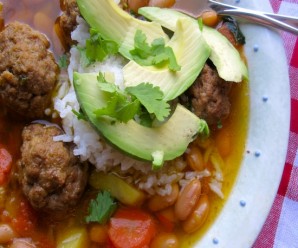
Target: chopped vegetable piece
column 131, row 228
column 167, row 219
column 158, row 160
column 98, row 233
column 234, row 28
column 75, row 237
column 121, row 190
column 157, row 54
column 25, row 218
column 5, row 164
column 102, row 208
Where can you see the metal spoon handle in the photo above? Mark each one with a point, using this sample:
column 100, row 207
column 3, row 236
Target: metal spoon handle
column 260, row 19
column 286, row 23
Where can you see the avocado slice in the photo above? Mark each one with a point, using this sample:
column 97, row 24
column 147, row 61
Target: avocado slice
column 224, row 55
column 156, row 144
column 188, row 45
column 115, row 24
column 191, row 53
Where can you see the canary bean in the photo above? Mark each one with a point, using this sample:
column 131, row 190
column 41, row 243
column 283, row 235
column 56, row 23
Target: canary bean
column 134, row 5
column 187, row 199
column 6, row 234
column 210, row 18
column 194, row 159
column 158, row 202
column 162, row 3
column 165, row 240
column 198, row 216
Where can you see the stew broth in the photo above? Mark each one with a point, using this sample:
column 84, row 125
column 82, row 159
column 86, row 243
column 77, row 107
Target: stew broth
column 45, row 228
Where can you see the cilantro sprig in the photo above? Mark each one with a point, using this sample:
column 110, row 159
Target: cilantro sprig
column 157, row 54
column 97, row 48
column 143, row 100
column 102, row 208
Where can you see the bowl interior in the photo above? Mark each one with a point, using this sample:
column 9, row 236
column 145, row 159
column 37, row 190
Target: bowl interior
column 255, row 188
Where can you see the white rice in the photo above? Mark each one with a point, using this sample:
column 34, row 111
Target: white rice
column 91, row 147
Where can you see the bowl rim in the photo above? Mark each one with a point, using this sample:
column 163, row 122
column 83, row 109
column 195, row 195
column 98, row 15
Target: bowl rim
column 254, row 191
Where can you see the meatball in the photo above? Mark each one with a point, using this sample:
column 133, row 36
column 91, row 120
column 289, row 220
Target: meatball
column 68, row 19
column 28, row 71
column 51, row 177
column 209, row 96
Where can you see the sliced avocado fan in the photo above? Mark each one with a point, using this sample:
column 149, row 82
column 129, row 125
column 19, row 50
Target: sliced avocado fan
column 191, row 52
column 224, row 55
column 155, row 144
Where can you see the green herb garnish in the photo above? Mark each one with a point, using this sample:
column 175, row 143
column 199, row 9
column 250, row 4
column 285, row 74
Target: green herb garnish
column 79, row 115
column 125, row 105
column 97, row 48
column 151, row 98
column 156, row 54
column 102, row 208
column 63, row 61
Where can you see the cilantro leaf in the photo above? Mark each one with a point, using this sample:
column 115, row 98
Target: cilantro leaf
column 120, row 106
column 173, row 65
column 102, row 208
column 97, row 48
column 151, row 98
column 143, row 100
column 158, row 54
column 142, row 48
column 62, row 62
column 104, row 85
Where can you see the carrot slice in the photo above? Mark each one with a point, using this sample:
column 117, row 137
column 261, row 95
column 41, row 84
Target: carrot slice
column 131, row 228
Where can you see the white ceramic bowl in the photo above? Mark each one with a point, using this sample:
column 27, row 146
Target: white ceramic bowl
column 252, row 196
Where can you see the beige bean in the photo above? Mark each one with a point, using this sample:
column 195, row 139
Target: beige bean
column 6, row 233
column 162, row 3
column 194, row 159
column 198, row 216
column 158, row 202
column 210, row 18
column 187, row 199
column 134, row 5
column 165, row 240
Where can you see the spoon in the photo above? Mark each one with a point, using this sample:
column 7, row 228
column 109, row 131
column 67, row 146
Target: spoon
column 195, row 8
